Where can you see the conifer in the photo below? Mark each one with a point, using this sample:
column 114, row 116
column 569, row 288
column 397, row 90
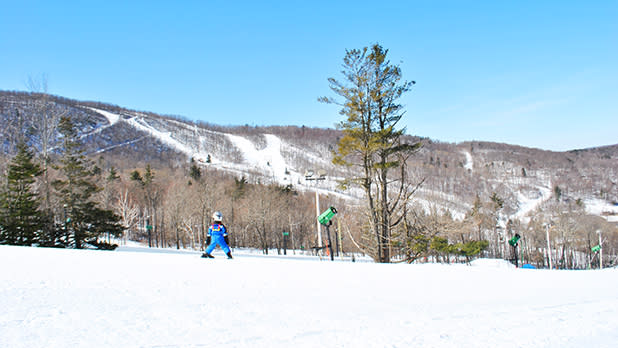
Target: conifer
column 20, row 219
column 371, row 141
column 85, row 222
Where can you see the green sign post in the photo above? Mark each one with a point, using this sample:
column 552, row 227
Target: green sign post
column 149, row 230
column 324, row 219
column 513, row 242
column 285, row 242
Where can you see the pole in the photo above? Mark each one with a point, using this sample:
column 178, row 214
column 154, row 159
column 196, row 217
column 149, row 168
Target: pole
column 337, row 240
column 340, row 250
column 516, row 256
column 317, row 213
column 330, row 244
column 285, row 243
column 321, row 175
column 548, row 246
column 600, row 251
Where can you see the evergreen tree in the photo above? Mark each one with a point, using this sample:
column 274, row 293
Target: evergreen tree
column 85, row 222
column 195, row 172
column 371, row 141
column 498, row 202
column 148, row 175
column 136, row 176
column 20, row 220
column 112, row 174
column 557, row 193
column 472, row 248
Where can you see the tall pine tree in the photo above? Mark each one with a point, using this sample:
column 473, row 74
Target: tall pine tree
column 371, row 142
column 20, row 219
column 85, row 222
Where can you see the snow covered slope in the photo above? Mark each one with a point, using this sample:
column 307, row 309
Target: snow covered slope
column 266, row 161
column 78, row 298
column 455, row 174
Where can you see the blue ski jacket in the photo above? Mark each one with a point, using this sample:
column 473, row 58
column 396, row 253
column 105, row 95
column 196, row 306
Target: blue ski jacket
column 217, row 232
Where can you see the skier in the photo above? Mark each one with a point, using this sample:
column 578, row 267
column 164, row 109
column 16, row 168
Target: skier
column 217, row 234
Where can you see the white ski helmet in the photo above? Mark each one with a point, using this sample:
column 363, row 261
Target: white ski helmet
column 217, row 216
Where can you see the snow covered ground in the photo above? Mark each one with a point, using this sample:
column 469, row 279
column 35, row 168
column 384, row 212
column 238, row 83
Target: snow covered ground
column 127, row 298
column 602, row 208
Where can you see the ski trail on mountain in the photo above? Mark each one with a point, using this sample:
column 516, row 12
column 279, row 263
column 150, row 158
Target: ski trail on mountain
column 271, row 163
column 111, row 117
column 268, row 159
column 469, row 165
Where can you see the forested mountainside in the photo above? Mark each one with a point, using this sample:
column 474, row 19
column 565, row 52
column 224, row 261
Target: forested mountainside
column 454, row 174
column 488, row 187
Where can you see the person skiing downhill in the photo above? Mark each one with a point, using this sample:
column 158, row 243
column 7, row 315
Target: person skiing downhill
column 217, row 234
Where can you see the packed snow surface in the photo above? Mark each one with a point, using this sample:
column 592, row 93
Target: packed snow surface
column 111, row 117
column 269, row 158
column 131, row 298
column 602, row 208
column 469, row 164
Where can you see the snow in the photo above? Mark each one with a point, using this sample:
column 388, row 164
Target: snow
column 497, row 263
column 602, row 208
column 111, row 117
column 270, row 163
column 166, row 138
column 469, row 165
column 526, row 204
column 139, row 122
column 268, row 159
column 83, row 298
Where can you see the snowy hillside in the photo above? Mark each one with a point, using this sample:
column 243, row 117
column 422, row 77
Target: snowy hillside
column 454, row 174
column 267, row 161
column 127, row 298
column 262, row 160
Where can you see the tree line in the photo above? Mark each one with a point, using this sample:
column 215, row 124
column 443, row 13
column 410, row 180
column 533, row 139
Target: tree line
column 69, row 216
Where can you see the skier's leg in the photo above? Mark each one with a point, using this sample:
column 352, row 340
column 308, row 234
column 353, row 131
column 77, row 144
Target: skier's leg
column 212, row 246
column 224, row 246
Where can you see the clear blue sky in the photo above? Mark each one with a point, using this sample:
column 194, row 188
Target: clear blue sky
column 534, row 73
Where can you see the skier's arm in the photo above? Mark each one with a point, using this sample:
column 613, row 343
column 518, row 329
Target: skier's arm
column 225, row 236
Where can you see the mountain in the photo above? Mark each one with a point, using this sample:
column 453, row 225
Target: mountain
column 454, row 174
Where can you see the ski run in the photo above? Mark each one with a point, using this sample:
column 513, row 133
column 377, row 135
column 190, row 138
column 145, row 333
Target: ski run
column 140, row 297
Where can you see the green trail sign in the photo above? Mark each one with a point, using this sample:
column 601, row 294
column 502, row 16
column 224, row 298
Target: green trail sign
column 596, row 249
